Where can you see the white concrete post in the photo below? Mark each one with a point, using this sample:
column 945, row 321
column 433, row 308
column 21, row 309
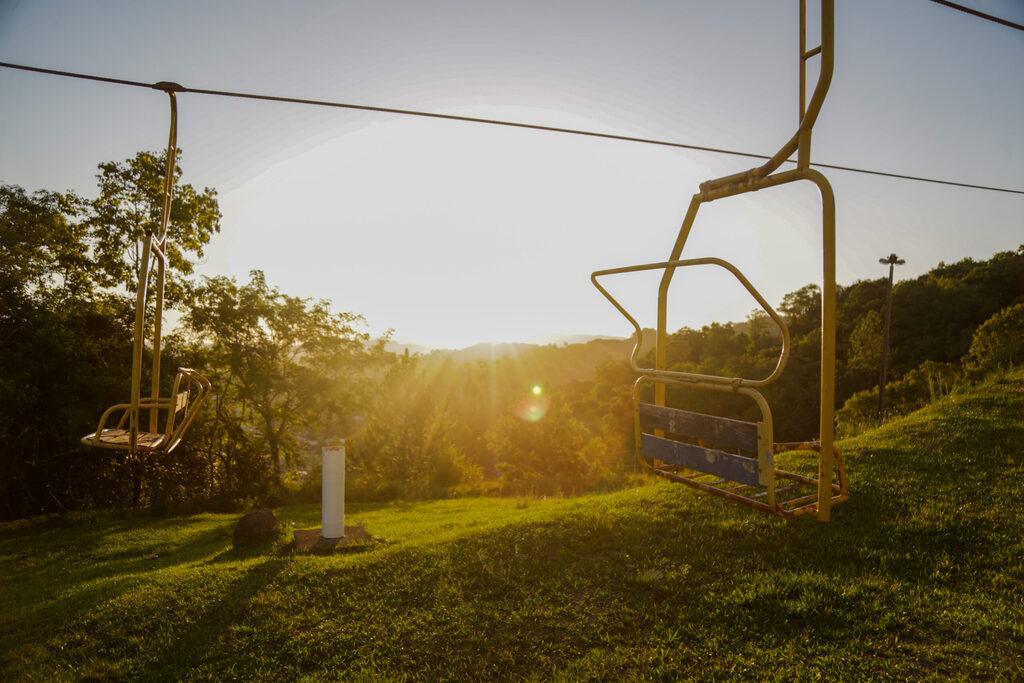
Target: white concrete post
column 332, row 502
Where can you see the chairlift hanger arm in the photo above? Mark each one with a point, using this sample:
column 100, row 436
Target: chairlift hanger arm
column 801, row 140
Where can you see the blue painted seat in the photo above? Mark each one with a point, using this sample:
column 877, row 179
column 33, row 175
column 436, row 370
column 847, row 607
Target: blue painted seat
column 712, row 433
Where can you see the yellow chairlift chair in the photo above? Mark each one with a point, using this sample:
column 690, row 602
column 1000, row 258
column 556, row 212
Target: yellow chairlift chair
column 190, row 389
column 731, row 458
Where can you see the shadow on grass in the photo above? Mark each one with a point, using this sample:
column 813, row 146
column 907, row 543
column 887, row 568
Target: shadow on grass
column 202, row 635
column 48, row 602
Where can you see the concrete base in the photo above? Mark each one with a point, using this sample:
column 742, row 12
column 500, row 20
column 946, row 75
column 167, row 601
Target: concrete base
column 311, row 540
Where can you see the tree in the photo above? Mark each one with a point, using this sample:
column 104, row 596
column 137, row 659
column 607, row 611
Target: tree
column 802, row 309
column 58, row 369
column 998, row 344
column 65, row 337
column 866, row 343
column 286, row 364
column 58, row 362
column 407, row 448
column 552, row 454
column 44, row 248
column 130, row 204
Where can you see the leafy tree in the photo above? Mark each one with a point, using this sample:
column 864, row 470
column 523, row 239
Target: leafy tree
column 407, row 448
column 802, row 309
column 605, row 406
column 935, row 316
column 130, row 204
column 44, row 247
column 286, row 365
column 59, row 368
column 866, row 343
column 549, row 455
column 998, row 344
column 58, row 362
column 65, row 338
column 223, row 464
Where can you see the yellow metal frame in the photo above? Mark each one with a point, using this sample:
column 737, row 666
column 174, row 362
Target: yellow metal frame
column 759, row 178
column 190, row 388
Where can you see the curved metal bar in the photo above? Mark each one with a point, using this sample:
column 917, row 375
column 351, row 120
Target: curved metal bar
column 160, row 251
column 801, row 140
column 826, row 424
column 140, row 327
column 193, row 382
column 172, row 157
column 733, row 382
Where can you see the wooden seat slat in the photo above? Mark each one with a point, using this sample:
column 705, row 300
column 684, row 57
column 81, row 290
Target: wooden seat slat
column 120, row 437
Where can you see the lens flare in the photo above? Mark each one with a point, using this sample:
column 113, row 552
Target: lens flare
column 537, row 390
column 532, row 408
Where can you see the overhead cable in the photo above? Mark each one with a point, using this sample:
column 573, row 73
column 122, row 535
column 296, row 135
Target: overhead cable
column 981, row 15
column 164, row 85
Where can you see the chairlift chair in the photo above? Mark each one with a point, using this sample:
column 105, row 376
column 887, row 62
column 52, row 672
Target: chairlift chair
column 190, row 389
column 729, row 458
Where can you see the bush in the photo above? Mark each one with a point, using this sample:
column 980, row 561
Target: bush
column 407, row 448
column 924, row 384
column 546, row 453
column 998, row 344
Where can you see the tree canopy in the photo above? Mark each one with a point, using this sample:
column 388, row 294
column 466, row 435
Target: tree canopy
column 130, row 204
column 289, row 365
column 291, row 374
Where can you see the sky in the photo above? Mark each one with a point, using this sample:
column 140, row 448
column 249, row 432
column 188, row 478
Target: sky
column 454, row 233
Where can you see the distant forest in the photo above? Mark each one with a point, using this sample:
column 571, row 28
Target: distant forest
column 290, row 375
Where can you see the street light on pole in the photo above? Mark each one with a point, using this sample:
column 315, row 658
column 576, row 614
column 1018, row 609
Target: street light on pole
column 892, row 261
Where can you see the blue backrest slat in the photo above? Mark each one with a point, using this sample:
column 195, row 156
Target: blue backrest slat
column 729, row 466
column 719, row 431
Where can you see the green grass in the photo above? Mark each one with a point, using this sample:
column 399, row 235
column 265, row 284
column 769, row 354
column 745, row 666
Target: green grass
column 919, row 575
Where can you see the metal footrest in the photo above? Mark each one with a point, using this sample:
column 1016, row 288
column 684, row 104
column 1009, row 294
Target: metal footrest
column 796, row 496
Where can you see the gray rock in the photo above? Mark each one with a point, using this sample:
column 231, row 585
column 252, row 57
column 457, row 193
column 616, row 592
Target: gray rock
column 255, row 527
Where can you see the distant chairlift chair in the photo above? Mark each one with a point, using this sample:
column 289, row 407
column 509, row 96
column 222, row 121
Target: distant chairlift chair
column 731, row 458
column 190, row 389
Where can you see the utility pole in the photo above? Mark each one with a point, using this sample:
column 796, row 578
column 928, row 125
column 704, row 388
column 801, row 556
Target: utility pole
column 892, row 261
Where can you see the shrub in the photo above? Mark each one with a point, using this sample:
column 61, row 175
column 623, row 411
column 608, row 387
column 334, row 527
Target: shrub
column 998, row 344
column 546, row 453
column 924, row 384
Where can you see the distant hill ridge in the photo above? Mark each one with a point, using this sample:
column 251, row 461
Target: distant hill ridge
column 552, row 364
column 497, row 349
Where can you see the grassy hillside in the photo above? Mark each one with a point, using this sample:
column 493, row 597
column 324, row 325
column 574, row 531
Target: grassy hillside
column 920, row 575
